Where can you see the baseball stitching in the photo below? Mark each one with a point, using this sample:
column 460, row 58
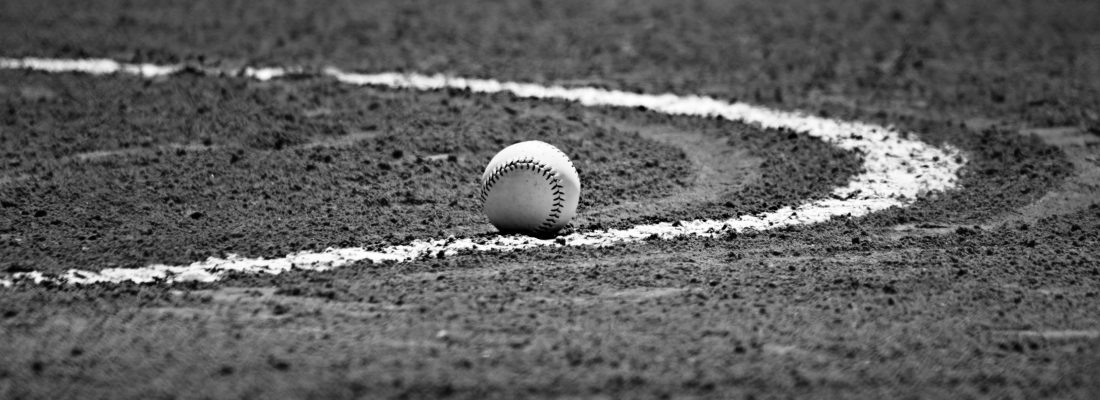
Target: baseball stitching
column 543, row 170
column 564, row 156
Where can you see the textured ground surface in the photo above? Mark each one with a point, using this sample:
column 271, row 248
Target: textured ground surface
column 988, row 291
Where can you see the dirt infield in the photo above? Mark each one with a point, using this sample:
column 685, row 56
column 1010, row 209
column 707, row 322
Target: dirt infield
column 989, row 290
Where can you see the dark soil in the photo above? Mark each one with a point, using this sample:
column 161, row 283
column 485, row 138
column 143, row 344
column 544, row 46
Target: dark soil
column 108, row 181
column 987, row 291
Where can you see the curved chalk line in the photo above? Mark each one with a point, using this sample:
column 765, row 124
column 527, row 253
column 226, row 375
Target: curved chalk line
column 896, row 170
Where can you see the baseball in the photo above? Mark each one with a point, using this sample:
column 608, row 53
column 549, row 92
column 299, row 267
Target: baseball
column 531, row 188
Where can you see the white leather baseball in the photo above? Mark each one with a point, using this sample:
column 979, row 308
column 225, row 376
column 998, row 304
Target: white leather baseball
column 530, row 187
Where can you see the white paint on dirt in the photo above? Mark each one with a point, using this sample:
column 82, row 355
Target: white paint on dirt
column 100, row 66
column 1067, row 334
column 89, row 66
column 897, row 169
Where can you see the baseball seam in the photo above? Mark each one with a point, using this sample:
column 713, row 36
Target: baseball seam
column 547, row 172
column 564, row 156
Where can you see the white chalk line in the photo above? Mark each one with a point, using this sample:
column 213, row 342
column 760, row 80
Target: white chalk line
column 897, row 169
